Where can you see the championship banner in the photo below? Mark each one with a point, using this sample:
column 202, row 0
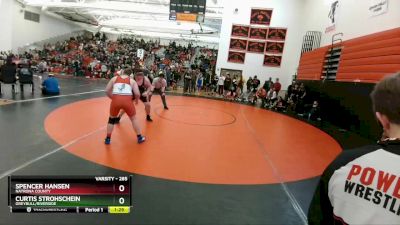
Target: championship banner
column 274, row 47
column 261, row 16
column 272, row 60
column 236, row 57
column 238, row 44
column 256, row 47
column 258, row 33
column 277, row 34
column 240, row 31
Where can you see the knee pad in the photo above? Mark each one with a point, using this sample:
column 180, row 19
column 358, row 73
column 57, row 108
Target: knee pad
column 113, row 120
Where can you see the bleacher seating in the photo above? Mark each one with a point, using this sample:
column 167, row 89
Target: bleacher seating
column 311, row 64
column 365, row 59
column 369, row 58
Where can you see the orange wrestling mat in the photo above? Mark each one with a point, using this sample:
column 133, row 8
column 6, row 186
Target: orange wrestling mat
column 197, row 140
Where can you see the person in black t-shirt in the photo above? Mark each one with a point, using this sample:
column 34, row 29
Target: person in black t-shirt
column 249, row 84
column 227, row 84
column 256, row 83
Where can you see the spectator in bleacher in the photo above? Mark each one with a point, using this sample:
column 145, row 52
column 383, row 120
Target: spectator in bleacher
column 193, row 80
column 290, row 90
column 295, row 92
column 249, row 84
column 221, row 81
column 268, row 83
column 214, row 85
column 239, row 89
column 50, row 86
column 272, row 96
column 187, row 81
column 279, row 105
column 200, row 80
column 227, row 84
column 42, row 67
column 260, row 94
column 314, row 113
column 234, row 86
column 277, row 86
column 256, row 84
column 301, row 99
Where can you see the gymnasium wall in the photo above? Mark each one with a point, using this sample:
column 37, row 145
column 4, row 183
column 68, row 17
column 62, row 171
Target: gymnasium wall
column 364, row 61
column 346, row 105
column 17, row 32
column 25, row 31
column 287, row 13
column 353, row 18
column 5, row 25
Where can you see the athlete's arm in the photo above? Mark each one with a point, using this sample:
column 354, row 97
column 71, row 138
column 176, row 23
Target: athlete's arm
column 109, row 87
column 135, row 90
column 148, row 85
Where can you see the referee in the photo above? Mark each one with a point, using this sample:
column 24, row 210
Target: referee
column 159, row 85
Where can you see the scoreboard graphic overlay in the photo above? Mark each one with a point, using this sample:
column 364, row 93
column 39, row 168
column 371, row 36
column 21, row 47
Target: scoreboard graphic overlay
column 72, row 194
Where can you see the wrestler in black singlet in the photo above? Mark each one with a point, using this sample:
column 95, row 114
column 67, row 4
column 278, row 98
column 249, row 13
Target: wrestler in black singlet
column 142, row 89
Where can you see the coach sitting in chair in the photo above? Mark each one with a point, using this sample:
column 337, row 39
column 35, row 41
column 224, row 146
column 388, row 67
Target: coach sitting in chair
column 50, row 86
column 25, row 76
column 8, row 73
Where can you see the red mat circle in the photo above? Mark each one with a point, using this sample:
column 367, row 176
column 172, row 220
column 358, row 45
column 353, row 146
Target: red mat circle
column 258, row 147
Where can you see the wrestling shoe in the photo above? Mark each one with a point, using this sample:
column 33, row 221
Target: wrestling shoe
column 148, row 118
column 107, row 141
column 141, row 139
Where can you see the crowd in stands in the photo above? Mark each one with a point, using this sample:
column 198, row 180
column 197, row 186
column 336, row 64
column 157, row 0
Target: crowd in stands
column 97, row 57
column 191, row 67
column 294, row 101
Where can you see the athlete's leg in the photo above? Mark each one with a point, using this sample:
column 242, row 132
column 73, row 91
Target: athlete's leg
column 136, row 127
column 110, row 128
column 147, row 107
column 120, row 114
column 164, row 101
column 112, row 120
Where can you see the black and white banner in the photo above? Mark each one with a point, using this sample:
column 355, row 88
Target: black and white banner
column 333, row 15
column 378, row 7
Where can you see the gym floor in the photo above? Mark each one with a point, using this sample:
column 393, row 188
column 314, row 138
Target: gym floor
column 205, row 161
